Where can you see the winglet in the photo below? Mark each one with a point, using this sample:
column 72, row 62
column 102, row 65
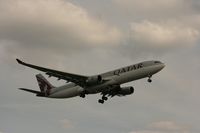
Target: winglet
column 19, row 61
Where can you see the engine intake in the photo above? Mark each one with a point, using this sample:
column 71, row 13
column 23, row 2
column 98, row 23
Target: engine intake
column 94, row 80
column 126, row 90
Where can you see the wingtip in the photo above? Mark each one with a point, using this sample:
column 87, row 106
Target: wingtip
column 19, row 61
column 20, row 88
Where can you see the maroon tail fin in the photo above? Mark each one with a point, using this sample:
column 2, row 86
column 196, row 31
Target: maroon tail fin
column 44, row 85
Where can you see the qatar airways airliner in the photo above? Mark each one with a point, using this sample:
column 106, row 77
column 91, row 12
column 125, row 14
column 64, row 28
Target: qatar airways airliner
column 107, row 84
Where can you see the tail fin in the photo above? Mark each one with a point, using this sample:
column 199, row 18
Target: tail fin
column 44, row 85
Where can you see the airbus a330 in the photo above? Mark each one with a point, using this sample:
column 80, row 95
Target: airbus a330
column 107, row 84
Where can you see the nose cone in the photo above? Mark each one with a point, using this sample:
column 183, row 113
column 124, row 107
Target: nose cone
column 162, row 65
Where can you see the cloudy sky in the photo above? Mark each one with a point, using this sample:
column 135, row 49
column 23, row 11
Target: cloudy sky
column 92, row 36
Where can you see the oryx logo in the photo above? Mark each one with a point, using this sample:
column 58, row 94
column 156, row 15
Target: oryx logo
column 45, row 87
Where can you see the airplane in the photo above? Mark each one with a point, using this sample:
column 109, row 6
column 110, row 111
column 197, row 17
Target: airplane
column 107, row 84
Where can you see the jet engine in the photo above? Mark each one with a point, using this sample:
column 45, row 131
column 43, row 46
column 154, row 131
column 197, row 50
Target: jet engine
column 126, row 91
column 94, row 80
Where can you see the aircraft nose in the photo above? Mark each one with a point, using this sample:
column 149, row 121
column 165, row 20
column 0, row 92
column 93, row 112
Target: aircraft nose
column 162, row 65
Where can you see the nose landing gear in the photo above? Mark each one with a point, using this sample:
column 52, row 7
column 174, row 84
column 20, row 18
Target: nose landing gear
column 149, row 78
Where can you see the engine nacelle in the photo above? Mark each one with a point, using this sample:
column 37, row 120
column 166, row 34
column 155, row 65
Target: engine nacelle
column 126, row 90
column 94, row 80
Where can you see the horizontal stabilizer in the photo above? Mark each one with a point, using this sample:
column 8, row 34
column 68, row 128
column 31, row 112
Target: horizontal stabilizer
column 38, row 93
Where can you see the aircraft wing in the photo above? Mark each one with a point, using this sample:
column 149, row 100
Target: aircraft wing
column 77, row 79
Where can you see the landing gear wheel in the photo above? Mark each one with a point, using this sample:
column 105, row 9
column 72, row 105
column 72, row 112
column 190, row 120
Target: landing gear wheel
column 104, row 98
column 101, row 101
column 149, row 80
column 82, row 95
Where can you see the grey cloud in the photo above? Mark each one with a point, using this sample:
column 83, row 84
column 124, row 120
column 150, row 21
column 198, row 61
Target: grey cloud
column 51, row 30
column 173, row 95
column 163, row 35
column 55, row 24
column 157, row 9
column 160, row 38
column 57, row 28
column 165, row 127
column 66, row 123
column 155, row 28
column 153, row 38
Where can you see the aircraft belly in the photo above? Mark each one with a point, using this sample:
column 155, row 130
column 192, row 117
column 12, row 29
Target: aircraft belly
column 67, row 93
column 100, row 87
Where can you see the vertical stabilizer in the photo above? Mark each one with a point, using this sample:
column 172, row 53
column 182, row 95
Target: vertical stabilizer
column 44, row 85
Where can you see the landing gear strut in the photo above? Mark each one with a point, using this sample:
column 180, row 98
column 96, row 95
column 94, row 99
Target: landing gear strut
column 149, row 79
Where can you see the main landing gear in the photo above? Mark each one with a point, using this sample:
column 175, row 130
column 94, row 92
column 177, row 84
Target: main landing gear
column 149, row 78
column 82, row 95
column 104, row 98
column 101, row 101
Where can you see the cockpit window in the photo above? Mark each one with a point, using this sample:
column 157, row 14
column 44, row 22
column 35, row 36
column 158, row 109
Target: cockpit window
column 156, row 62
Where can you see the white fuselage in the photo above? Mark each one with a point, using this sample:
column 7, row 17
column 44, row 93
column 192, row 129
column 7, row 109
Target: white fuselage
column 116, row 77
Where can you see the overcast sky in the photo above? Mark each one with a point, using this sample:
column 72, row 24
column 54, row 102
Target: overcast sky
column 93, row 36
